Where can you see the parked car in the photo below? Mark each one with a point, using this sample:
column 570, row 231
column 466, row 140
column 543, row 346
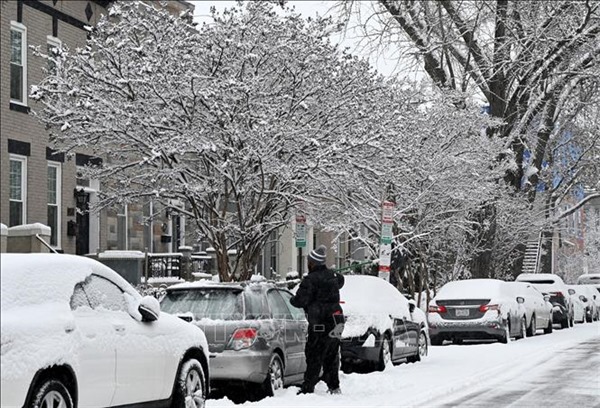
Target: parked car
column 584, row 300
column 476, row 309
column 591, row 301
column 579, row 305
column 590, row 279
column 553, row 286
column 75, row 333
column 538, row 309
column 381, row 325
column 255, row 336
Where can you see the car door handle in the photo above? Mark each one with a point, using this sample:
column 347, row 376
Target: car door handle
column 69, row 329
column 119, row 328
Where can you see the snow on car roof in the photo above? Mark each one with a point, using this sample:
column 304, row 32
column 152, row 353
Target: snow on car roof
column 471, row 288
column 29, row 279
column 369, row 301
column 206, row 284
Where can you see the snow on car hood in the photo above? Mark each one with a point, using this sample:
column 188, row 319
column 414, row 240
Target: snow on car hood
column 369, row 301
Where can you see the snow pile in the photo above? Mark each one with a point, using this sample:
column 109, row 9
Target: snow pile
column 369, row 301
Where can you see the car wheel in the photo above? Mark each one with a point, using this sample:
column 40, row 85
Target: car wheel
column 274, row 380
column 523, row 328
column 532, row 327
column 190, row 386
column 51, row 394
column 385, row 353
column 550, row 327
column 505, row 338
column 436, row 341
column 565, row 323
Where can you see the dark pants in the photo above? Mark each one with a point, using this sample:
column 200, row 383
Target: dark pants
column 321, row 351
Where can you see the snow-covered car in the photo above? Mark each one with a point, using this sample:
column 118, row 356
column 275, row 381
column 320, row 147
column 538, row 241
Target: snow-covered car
column 476, row 309
column 255, row 336
column 579, row 305
column 553, row 286
column 381, row 324
column 590, row 279
column 75, row 333
column 591, row 301
column 538, row 309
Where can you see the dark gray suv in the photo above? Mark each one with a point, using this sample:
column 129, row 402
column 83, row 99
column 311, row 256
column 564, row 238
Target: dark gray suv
column 255, row 336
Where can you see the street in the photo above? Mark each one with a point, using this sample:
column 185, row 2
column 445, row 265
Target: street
column 554, row 370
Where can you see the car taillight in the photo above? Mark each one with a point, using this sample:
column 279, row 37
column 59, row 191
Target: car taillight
column 557, row 294
column 437, row 309
column 485, row 308
column 243, row 338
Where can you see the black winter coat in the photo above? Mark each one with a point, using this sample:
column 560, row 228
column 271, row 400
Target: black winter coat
column 319, row 296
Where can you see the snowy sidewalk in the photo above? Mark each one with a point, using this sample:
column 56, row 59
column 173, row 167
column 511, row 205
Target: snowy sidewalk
column 448, row 373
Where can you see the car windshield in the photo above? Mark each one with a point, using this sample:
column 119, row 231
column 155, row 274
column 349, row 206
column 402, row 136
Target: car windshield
column 206, row 303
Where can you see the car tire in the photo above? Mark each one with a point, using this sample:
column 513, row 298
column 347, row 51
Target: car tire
column 51, row 393
column 385, row 353
column 523, row 328
column 550, row 326
column 565, row 323
column 532, row 327
column 505, row 338
column 189, row 389
column 436, row 341
column 422, row 349
column 274, row 380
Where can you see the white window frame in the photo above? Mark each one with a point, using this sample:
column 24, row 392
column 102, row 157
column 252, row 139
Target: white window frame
column 15, row 26
column 23, row 201
column 58, row 204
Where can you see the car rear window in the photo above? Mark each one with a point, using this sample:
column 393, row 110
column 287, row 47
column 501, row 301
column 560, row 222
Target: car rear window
column 206, row 303
column 540, row 282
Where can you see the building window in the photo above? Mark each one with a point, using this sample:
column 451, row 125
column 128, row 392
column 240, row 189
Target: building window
column 18, row 190
column 18, row 63
column 54, row 45
column 54, row 207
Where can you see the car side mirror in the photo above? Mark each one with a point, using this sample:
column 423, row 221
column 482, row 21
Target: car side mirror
column 583, row 298
column 547, row 298
column 571, row 291
column 520, row 300
column 149, row 308
column 412, row 305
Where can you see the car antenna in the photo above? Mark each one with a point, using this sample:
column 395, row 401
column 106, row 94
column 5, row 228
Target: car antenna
column 46, row 244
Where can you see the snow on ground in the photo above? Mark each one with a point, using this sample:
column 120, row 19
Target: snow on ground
column 447, row 373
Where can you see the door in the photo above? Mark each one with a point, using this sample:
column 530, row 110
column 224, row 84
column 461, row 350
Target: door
column 299, row 331
column 97, row 354
column 139, row 349
column 82, row 241
column 412, row 330
column 288, row 330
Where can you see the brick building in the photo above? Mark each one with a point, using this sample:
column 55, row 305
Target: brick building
column 38, row 185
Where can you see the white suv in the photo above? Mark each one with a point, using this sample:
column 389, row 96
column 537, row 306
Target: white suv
column 74, row 333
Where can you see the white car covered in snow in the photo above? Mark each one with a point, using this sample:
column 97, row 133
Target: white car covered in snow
column 74, row 333
column 555, row 287
column 476, row 309
column 538, row 309
column 381, row 324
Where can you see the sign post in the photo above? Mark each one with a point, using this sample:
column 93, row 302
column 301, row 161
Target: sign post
column 385, row 245
column 300, row 230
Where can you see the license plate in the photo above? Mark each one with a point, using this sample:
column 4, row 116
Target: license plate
column 462, row 312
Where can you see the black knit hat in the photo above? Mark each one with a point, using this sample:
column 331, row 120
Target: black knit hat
column 317, row 256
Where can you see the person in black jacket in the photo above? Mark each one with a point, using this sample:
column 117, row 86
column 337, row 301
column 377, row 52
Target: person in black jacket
column 319, row 296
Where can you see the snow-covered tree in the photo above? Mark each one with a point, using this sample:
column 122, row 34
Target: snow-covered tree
column 534, row 64
column 236, row 119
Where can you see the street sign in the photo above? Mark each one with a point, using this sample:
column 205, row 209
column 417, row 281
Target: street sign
column 385, row 246
column 300, row 231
